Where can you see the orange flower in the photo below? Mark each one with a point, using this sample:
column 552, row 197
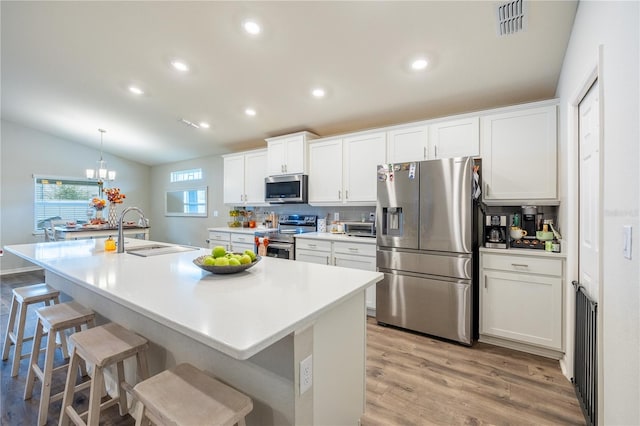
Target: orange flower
column 98, row 203
column 114, row 195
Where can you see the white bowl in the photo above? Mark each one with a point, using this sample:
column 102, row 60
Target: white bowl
column 517, row 234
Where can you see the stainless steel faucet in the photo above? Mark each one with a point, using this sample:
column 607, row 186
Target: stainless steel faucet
column 120, row 233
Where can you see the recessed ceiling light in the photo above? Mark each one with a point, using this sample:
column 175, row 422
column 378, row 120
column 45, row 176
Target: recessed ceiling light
column 180, row 66
column 419, row 64
column 318, row 92
column 136, row 90
column 203, row 125
column 250, row 111
column 251, row 27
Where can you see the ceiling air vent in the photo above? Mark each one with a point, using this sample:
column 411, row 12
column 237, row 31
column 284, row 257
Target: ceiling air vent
column 511, row 17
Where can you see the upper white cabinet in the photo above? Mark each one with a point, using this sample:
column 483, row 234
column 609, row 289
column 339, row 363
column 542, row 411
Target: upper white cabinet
column 287, row 155
column 244, row 175
column 519, row 156
column 455, row 138
column 408, row 144
column 325, row 172
column 343, row 171
column 362, row 155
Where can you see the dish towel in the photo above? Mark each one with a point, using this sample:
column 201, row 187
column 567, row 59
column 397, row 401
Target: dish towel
column 476, row 183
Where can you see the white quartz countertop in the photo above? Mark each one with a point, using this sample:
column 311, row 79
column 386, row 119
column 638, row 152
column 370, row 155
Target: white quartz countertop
column 237, row 314
column 330, row 236
column 239, row 230
column 524, row 252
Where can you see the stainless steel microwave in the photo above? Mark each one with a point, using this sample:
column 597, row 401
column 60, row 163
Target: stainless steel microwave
column 286, row 189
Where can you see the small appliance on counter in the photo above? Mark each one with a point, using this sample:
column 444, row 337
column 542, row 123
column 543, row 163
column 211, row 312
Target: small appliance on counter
column 360, row 229
column 529, row 220
column 495, row 231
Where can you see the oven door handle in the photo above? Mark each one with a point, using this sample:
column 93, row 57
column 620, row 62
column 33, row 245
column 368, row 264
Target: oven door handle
column 282, row 246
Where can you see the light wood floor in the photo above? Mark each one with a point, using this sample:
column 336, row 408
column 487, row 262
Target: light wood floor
column 416, row 380
column 411, row 380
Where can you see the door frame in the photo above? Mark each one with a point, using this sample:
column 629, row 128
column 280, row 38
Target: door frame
column 594, row 74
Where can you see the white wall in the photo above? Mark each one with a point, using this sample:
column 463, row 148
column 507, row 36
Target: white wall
column 188, row 230
column 613, row 26
column 26, row 152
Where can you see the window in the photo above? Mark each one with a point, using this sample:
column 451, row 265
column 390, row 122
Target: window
column 67, row 199
column 186, row 175
column 187, row 202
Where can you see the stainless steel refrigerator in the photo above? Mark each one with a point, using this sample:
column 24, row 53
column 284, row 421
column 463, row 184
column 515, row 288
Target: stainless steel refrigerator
column 426, row 247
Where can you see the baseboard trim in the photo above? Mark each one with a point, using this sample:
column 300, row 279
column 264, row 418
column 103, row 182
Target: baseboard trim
column 523, row 347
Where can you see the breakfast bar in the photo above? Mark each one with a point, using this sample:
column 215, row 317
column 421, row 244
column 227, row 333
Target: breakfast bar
column 251, row 329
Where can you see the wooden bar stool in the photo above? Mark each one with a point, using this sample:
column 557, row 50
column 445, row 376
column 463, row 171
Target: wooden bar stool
column 187, row 396
column 22, row 298
column 102, row 346
column 51, row 321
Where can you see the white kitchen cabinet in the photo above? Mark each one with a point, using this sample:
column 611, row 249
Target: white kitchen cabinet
column 362, row 155
column 357, row 256
column 325, row 172
column 519, row 156
column 244, row 175
column 455, row 138
column 220, row 238
column 241, row 242
column 344, row 171
column 347, row 254
column 313, row 251
column 521, row 303
column 408, row 144
column 287, row 155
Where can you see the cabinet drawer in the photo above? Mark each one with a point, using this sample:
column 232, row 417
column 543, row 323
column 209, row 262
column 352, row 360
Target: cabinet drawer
column 304, row 243
column 243, row 238
column 222, row 236
column 533, row 265
column 354, row 248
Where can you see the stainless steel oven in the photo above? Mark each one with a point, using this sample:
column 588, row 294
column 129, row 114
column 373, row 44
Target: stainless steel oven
column 282, row 243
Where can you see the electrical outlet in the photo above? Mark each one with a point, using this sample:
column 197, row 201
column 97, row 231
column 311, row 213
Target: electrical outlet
column 306, row 374
column 215, row 213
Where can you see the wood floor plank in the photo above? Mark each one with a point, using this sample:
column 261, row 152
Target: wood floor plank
column 418, row 380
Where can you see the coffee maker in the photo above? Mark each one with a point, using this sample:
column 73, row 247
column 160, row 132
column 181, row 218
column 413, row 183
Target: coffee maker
column 495, row 231
column 529, row 217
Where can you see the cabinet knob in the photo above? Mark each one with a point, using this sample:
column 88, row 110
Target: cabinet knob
column 424, row 153
column 436, row 151
column 519, row 265
column 353, row 249
column 346, row 194
column 339, row 194
column 327, row 260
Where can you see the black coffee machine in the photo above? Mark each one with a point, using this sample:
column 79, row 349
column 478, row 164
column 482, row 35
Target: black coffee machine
column 495, row 231
column 529, row 219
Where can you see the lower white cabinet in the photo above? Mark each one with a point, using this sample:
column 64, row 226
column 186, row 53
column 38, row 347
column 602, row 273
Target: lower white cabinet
column 521, row 303
column 340, row 253
column 219, row 238
column 242, row 242
column 232, row 241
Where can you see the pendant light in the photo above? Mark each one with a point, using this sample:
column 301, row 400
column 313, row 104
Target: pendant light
column 100, row 172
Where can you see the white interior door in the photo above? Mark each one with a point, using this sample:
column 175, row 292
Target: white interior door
column 589, row 183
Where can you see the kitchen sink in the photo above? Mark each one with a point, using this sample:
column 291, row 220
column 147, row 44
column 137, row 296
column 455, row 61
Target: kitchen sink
column 158, row 249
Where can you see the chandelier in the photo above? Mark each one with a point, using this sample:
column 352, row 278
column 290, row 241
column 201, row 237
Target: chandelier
column 100, row 172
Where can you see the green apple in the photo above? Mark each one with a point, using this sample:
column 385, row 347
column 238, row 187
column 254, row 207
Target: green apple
column 209, row 261
column 218, row 251
column 251, row 254
column 245, row 259
column 234, row 262
column 222, row 261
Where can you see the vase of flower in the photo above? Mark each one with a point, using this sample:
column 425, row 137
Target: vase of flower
column 113, row 216
column 115, row 197
column 98, row 205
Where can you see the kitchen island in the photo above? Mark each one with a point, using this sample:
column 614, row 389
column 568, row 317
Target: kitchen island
column 250, row 329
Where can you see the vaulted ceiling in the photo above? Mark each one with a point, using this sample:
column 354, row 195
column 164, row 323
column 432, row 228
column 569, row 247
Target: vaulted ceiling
column 67, row 68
